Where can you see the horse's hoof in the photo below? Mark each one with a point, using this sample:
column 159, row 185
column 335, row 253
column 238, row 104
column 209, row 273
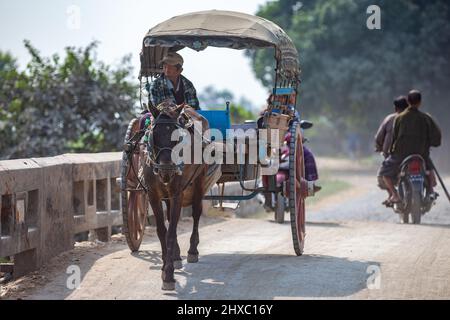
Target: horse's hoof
column 192, row 258
column 168, row 286
column 177, row 264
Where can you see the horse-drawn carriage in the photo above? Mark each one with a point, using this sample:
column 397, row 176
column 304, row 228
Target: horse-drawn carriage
column 236, row 31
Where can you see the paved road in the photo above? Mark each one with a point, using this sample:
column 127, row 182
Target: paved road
column 355, row 249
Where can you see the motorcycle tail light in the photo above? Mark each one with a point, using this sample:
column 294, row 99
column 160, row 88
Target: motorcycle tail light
column 414, row 167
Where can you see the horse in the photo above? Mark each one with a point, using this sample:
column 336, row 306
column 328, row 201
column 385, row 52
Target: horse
column 178, row 185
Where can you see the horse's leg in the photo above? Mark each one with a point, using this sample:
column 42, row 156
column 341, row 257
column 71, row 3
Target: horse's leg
column 177, row 264
column 167, row 202
column 160, row 227
column 197, row 209
column 171, row 239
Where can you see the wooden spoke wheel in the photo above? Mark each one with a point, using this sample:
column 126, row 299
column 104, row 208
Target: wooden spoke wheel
column 296, row 184
column 134, row 199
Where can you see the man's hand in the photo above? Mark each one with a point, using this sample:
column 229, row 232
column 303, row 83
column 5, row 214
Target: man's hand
column 184, row 105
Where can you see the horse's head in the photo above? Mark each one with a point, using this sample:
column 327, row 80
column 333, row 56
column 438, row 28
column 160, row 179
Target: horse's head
column 169, row 118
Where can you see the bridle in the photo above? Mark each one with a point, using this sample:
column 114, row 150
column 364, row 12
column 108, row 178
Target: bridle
column 184, row 121
column 154, row 150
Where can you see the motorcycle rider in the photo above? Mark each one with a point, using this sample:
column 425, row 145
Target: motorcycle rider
column 414, row 133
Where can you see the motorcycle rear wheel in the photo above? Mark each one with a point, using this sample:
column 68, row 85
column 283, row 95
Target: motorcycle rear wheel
column 416, row 211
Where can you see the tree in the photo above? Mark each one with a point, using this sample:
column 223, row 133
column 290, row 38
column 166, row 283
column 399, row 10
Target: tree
column 75, row 104
column 13, row 88
column 352, row 74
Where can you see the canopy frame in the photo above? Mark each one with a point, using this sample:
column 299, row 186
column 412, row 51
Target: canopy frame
column 200, row 30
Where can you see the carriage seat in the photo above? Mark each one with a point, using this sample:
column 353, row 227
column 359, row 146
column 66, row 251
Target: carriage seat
column 218, row 119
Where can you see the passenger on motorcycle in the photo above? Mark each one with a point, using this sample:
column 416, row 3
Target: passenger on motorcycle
column 383, row 137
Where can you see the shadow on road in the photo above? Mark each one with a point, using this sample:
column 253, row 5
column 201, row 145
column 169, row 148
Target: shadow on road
column 434, row 225
column 152, row 256
column 270, row 276
column 325, row 224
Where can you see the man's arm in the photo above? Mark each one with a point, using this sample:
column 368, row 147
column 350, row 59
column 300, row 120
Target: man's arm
column 434, row 133
column 192, row 100
column 394, row 134
column 157, row 92
column 380, row 135
column 153, row 94
column 190, row 94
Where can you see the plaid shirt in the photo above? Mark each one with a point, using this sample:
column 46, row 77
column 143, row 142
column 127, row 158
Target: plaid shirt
column 160, row 91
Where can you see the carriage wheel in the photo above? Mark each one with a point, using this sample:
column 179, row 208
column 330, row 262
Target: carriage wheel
column 296, row 180
column 134, row 199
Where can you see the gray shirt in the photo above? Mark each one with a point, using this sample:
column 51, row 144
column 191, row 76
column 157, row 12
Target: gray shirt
column 383, row 138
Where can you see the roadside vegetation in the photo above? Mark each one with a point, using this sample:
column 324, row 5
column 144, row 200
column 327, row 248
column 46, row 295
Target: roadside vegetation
column 330, row 186
column 64, row 104
column 350, row 74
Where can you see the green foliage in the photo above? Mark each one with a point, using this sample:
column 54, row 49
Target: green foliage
column 330, row 186
column 57, row 105
column 352, row 74
column 13, row 84
column 240, row 113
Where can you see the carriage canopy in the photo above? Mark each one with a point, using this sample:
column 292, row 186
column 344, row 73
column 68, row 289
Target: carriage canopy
column 216, row 28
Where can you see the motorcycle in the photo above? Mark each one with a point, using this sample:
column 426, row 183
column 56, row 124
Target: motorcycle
column 414, row 190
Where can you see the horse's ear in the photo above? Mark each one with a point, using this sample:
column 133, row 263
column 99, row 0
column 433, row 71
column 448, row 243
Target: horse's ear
column 153, row 110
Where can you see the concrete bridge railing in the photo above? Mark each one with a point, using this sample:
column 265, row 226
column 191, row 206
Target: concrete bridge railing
column 46, row 202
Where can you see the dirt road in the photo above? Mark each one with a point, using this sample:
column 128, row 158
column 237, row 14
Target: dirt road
column 355, row 249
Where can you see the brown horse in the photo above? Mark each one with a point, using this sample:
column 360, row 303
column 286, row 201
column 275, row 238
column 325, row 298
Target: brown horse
column 177, row 185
